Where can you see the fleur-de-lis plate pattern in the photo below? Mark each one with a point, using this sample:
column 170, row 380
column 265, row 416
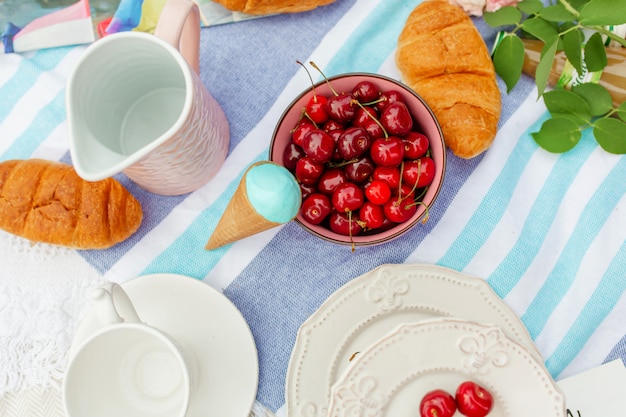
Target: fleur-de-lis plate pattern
column 389, row 378
column 368, row 307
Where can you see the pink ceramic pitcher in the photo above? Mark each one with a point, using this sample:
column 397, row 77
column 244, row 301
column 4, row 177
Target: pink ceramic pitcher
column 135, row 104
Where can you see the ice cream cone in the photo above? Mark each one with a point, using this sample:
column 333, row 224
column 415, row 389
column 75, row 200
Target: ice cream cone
column 240, row 219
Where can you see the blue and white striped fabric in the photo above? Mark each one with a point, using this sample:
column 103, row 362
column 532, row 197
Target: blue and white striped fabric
column 547, row 232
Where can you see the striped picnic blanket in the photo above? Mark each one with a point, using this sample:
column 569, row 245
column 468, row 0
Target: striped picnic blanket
column 546, row 231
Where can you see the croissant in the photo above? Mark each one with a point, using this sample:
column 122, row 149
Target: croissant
column 46, row 201
column 441, row 55
column 259, row 7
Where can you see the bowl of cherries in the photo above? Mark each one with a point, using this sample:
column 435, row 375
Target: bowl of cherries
column 368, row 154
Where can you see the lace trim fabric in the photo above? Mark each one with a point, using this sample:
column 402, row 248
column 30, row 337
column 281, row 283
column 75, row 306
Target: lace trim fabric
column 43, row 295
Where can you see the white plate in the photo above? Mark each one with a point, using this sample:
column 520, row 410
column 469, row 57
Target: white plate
column 206, row 322
column 370, row 306
column 391, row 376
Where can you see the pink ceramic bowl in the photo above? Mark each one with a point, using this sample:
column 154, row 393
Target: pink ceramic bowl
column 424, row 121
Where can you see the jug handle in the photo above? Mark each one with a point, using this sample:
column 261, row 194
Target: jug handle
column 113, row 306
column 179, row 25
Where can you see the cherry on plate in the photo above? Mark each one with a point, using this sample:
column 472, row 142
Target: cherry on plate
column 437, row 403
column 473, row 400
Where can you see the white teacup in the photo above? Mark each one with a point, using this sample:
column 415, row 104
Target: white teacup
column 127, row 368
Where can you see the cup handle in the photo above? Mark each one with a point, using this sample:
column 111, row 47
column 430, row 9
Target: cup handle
column 179, row 25
column 113, row 305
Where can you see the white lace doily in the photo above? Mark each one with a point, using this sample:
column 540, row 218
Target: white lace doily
column 43, row 295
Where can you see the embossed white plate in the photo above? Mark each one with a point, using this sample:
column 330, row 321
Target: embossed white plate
column 368, row 307
column 210, row 326
column 390, row 377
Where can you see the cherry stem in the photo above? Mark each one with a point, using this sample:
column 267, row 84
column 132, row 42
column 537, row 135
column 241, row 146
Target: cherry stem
column 325, row 78
column 417, row 197
column 378, row 100
column 358, row 103
column 426, row 212
column 305, row 114
column 342, row 163
column 310, row 78
column 350, row 230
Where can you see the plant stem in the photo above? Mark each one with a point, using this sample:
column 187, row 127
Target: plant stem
column 569, row 7
column 610, row 34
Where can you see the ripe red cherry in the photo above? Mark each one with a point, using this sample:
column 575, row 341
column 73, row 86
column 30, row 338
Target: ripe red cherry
column 405, row 190
column 373, row 129
column 387, row 152
column 437, row 403
column 365, row 115
column 332, row 125
column 419, row 173
column 400, row 210
column 347, row 197
column 397, row 119
column 353, row 143
column 415, row 145
column 308, row 171
column 316, row 109
column 390, row 175
column 318, row 145
column 344, row 224
column 307, row 190
column 300, row 131
column 378, row 192
column 291, row 155
column 330, row 179
column 365, row 91
column 341, row 108
column 388, row 97
column 372, row 215
column 360, row 170
column 473, row 400
column 315, row 208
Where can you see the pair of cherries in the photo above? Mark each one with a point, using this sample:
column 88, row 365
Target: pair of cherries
column 471, row 400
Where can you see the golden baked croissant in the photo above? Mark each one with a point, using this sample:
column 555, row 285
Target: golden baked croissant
column 442, row 56
column 46, row 201
column 260, row 7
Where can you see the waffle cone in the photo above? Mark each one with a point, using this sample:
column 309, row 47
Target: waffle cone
column 239, row 220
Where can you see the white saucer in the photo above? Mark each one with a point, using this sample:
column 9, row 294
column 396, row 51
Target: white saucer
column 206, row 322
column 389, row 378
column 368, row 307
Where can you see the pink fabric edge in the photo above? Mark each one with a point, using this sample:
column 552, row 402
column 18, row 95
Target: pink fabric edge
column 79, row 10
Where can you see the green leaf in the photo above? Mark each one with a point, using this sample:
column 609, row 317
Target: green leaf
column 610, row 133
column 599, row 99
column 603, row 12
column 595, row 54
column 545, row 65
column 530, row 6
column 504, row 16
column 540, row 29
column 557, row 13
column 567, row 104
column 572, row 46
column 558, row 135
column 621, row 111
column 508, row 60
